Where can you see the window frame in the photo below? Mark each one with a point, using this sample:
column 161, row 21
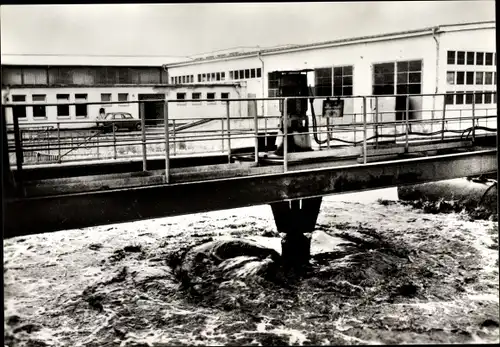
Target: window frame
column 79, row 96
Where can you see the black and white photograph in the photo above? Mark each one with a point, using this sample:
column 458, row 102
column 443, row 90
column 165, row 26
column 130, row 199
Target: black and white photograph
column 249, row 174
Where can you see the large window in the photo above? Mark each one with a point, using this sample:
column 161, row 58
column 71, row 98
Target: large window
column 470, row 58
column 470, row 77
column 81, row 109
column 323, row 82
column 451, row 57
column 39, row 111
column 210, row 96
column 273, row 84
column 106, row 97
column 405, row 75
column 196, row 96
column 342, row 81
column 450, row 77
column 489, row 59
column 62, row 110
column 460, row 58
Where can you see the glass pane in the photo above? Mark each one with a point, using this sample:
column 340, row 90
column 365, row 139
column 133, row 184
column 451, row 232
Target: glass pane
column 479, row 58
column 459, row 99
column 468, row 98
column 347, row 80
column 449, row 98
column 470, row 58
column 488, row 77
column 479, row 98
column 489, row 59
column 347, row 91
column 252, row 73
column 415, row 65
column 403, row 66
column 347, row 70
column 258, row 73
column 337, row 81
column 450, row 77
column 460, row 77
column 415, row 77
column 470, row 77
column 460, row 58
column 451, row 57
column 383, row 68
column 402, row 89
column 388, row 78
column 415, row 89
column 487, row 98
column 479, row 77
column 402, row 78
column 337, row 71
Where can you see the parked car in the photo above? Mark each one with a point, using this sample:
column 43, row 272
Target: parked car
column 123, row 121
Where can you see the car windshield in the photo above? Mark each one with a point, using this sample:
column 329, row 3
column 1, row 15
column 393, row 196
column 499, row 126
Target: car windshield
column 127, row 116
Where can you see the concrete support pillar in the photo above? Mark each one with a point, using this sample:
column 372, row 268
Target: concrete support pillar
column 294, row 218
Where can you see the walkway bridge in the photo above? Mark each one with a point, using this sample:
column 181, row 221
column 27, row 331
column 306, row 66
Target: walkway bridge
column 367, row 153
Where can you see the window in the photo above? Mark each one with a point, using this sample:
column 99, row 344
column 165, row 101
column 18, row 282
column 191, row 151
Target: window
column 449, row 98
column 469, row 97
column 479, row 58
column 258, row 73
column 342, row 81
column 488, row 77
column 106, row 97
column 39, row 111
column 450, row 77
column 224, row 95
column 383, row 79
column 459, row 100
column 172, row 80
column 196, row 96
column 470, row 77
column 62, row 110
column 19, row 111
column 470, row 58
column 409, row 77
column 242, row 74
column 489, row 59
column 478, row 99
column 247, row 73
column 199, row 77
column 181, row 96
column 213, row 76
column 273, row 84
column 479, row 77
column 222, row 76
column 487, row 98
column 460, row 77
column 122, row 96
column 461, row 58
column 210, row 96
column 81, row 110
column 323, row 82
column 230, row 75
column 451, row 57
column 252, row 73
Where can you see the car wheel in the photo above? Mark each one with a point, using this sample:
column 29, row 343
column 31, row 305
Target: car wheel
column 138, row 126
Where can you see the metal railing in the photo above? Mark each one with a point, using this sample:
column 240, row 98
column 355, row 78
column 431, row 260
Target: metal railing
column 256, row 127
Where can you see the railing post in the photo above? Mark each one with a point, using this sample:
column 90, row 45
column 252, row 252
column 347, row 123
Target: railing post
column 114, row 140
column 285, row 135
column 228, row 132
column 97, row 140
column 19, row 151
column 364, row 130
column 143, row 132
column 376, row 122
column 407, row 121
column 444, row 115
column 167, row 143
column 173, row 136
column 328, row 132
column 59, row 141
column 354, row 128
column 473, row 117
column 222, row 129
column 256, row 124
column 265, row 132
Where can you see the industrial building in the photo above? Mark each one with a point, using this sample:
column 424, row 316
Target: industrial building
column 443, row 59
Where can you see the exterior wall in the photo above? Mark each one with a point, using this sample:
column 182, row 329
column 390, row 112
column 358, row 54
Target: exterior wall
column 483, row 40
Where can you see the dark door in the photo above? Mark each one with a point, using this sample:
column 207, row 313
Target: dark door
column 153, row 111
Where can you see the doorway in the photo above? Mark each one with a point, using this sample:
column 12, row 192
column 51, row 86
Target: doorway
column 153, row 111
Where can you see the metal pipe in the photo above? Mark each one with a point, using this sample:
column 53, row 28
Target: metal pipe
column 114, row 140
column 407, row 121
column 173, row 136
column 143, row 133
column 222, row 137
column 228, row 116
column 364, row 130
column 328, row 132
column 256, row 125
column 285, row 135
column 265, row 132
column 473, row 117
column 444, row 115
column 167, row 144
column 376, row 122
column 59, row 142
column 262, row 82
